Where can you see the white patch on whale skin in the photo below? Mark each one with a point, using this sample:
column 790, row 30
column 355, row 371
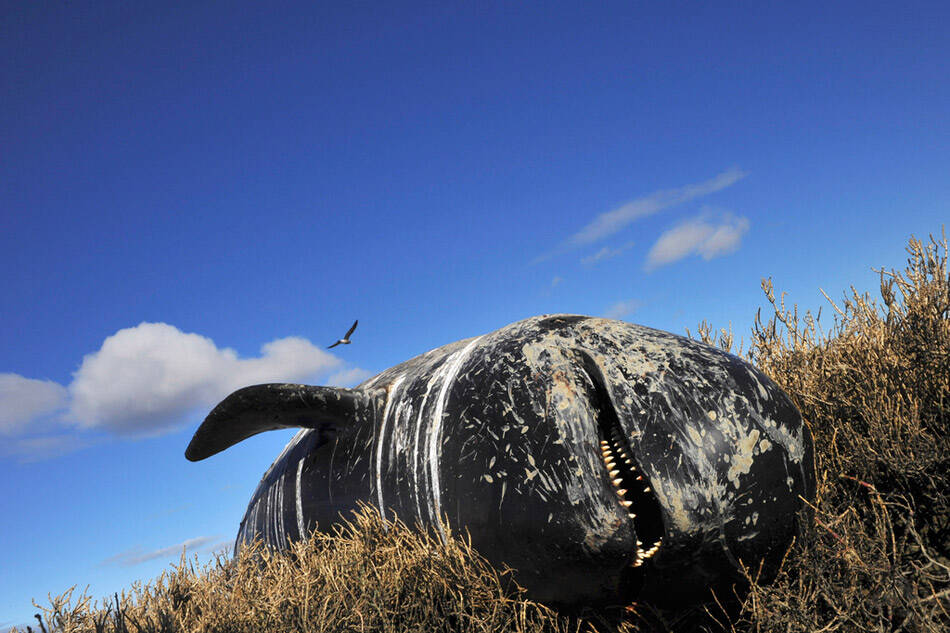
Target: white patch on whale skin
column 272, row 501
column 433, row 379
column 435, row 432
column 380, row 441
column 679, row 501
column 696, row 436
column 742, row 459
column 280, row 506
column 300, row 526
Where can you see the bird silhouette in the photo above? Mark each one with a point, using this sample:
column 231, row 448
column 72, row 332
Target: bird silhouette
column 346, row 337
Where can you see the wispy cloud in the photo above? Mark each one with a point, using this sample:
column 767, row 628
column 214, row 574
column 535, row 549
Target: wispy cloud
column 145, row 381
column 608, row 223
column 549, row 289
column 24, row 399
column 226, row 545
column 622, row 309
column 700, row 236
column 44, row 447
column 348, row 377
column 137, row 555
column 606, row 253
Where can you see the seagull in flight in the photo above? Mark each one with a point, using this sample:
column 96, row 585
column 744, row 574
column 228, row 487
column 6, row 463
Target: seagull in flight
column 346, row 338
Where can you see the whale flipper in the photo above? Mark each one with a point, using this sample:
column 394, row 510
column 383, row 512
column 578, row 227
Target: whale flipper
column 267, row 407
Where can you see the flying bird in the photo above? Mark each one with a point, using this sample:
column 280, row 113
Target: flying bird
column 346, row 338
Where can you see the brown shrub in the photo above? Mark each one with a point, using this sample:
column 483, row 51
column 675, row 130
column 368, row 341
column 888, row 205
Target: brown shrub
column 875, row 391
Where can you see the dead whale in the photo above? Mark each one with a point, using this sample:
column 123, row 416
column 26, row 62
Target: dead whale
column 599, row 459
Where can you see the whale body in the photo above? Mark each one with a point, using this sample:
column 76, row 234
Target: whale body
column 602, row 461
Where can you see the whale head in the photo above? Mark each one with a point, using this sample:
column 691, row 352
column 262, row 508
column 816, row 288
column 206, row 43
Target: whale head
column 606, row 461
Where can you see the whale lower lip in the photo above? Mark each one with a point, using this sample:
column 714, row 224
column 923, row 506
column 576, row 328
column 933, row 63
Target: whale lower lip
column 625, row 477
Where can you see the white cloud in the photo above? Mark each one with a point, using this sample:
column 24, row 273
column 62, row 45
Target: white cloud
column 725, row 239
column 621, row 309
column 677, row 243
column 348, row 377
column 145, row 379
column 136, row 555
column 25, row 399
column 606, row 224
column 605, row 253
column 699, row 236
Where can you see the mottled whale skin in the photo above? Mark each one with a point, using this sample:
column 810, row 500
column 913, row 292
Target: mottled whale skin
column 543, row 439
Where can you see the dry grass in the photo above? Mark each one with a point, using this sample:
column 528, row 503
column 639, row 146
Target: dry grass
column 363, row 577
column 875, row 391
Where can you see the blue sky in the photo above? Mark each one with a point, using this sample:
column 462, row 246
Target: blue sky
column 198, row 196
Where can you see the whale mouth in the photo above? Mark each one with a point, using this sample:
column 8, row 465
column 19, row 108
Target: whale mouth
column 626, row 478
column 635, row 495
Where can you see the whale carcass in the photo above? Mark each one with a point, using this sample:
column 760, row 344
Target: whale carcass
column 599, row 459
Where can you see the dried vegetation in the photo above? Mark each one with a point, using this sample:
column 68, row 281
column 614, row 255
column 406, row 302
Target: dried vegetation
column 875, row 391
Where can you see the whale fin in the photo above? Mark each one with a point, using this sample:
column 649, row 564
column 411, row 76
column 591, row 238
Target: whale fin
column 260, row 408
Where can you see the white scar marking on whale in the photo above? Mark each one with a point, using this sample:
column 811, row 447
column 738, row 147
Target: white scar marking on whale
column 280, row 505
column 273, row 511
column 267, row 514
column 415, row 448
column 380, row 438
column 436, row 432
column 276, row 503
column 275, row 525
column 265, row 504
column 300, row 501
column 273, row 501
